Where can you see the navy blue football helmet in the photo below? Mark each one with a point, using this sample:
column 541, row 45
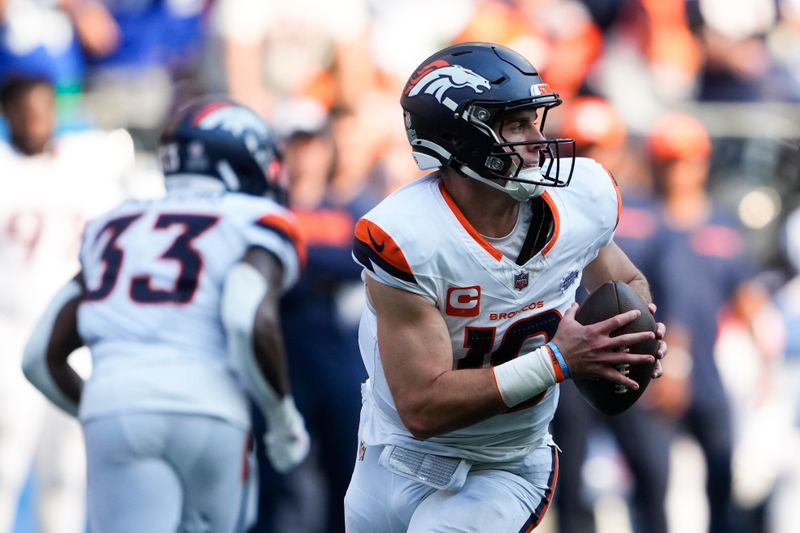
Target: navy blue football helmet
column 455, row 105
column 221, row 139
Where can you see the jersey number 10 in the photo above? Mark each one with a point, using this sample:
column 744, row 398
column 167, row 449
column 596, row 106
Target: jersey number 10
column 479, row 341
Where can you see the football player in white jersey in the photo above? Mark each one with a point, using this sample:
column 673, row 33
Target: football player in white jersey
column 177, row 300
column 471, row 274
column 52, row 182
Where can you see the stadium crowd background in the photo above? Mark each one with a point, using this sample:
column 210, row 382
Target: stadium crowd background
column 328, row 75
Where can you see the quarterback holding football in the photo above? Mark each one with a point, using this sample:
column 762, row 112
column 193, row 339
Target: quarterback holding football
column 471, row 274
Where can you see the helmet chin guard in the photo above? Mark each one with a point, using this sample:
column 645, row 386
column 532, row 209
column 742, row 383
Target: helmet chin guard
column 521, row 191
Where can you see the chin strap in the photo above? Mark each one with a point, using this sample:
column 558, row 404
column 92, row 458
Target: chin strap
column 518, row 190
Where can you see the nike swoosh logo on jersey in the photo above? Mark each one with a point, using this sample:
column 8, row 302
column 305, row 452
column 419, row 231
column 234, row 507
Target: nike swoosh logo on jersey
column 378, row 247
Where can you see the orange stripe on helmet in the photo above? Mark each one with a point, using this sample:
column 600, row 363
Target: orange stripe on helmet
column 382, row 244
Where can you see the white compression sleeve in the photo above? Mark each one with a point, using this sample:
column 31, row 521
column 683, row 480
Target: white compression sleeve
column 287, row 439
column 527, row 375
column 242, row 294
column 34, row 360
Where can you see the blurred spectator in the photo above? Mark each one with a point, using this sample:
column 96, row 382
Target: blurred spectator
column 649, row 61
column 783, row 512
column 559, row 36
column 276, row 50
column 600, row 134
column 705, row 271
column 142, row 55
column 784, row 40
column 790, row 305
column 51, row 186
column 402, row 32
column 738, row 65
column 38, row 39
column 329, row 163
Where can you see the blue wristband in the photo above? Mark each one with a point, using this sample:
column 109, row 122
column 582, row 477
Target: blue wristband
column 560, row 358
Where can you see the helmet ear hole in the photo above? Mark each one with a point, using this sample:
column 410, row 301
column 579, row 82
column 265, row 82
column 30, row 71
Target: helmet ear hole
column 453, row 140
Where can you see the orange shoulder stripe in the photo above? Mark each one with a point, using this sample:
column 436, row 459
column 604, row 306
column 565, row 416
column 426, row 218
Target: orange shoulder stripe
column 382, row 244
column 289, row 230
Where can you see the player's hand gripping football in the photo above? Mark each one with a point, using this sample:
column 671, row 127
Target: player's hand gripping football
column 591, row 352
column 287, row 440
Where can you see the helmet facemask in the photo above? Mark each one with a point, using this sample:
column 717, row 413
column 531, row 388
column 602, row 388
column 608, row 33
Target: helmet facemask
column 500, row 163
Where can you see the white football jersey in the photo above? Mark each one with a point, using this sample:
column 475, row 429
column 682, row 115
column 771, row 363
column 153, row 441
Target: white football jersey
column 418, row 240
column 45, row 203
column 154, row 272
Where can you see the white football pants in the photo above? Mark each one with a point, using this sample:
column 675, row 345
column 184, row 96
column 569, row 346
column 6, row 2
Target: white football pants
column 165, row 473
column 34, row 433
column 508, row 497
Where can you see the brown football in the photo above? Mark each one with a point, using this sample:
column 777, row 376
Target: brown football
column 613, row 298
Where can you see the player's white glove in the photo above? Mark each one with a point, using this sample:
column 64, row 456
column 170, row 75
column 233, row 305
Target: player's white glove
column 287, row 440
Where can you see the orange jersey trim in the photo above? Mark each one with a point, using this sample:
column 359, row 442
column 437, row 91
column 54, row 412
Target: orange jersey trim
column 494, row 252
column 619, row 197
column 288, row 229
column 556, row 222
column 382, row 245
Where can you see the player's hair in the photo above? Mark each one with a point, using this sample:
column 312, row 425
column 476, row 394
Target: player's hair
column 17, row 85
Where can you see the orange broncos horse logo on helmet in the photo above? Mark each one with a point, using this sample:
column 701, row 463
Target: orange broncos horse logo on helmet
column 439, row 77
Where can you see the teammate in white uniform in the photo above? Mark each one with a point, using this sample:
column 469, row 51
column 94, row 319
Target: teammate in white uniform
column 471, row 274
column 177, row 300
column 52, row 184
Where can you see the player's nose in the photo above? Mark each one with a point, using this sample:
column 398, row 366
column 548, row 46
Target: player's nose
column 536, row 135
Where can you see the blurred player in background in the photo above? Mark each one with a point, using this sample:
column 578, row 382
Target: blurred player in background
column 705, row 271
column 328, row 162
column 178, row 300
column 51, row 185
column 471, row 274
column 600, row 134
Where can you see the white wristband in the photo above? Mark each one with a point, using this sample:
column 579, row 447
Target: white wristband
column 527, row 375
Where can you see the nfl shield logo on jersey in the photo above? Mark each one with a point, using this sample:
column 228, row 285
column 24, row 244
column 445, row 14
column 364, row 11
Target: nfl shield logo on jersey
column 520, row 280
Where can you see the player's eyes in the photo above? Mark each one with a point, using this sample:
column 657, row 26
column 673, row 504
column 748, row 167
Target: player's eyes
column 518, row 126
